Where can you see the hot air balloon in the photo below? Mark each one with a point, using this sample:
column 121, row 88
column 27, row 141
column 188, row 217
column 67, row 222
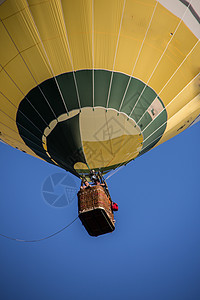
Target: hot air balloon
column 93, row 84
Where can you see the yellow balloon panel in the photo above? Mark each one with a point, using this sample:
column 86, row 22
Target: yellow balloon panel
column 173, row 60
column 181, row 120
column 19, row 25
column 10, row 8
column 185, row 96
column 37, row 63
column 183, row 75
column 9, row 89
column 20, row 75
column 50, row 27
column 8, row 121
column 133, row 29
column 11, row 51
column 79, row 32
column 7, row 107
column 107, row 20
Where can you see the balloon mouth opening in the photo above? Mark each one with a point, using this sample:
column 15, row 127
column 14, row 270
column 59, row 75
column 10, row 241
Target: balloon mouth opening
column 102, row 140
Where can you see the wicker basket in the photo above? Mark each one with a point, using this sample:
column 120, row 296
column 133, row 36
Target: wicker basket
column 95, row 210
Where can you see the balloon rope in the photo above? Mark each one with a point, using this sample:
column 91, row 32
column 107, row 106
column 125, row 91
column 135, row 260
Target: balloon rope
column 114, row 172
column 39, row 240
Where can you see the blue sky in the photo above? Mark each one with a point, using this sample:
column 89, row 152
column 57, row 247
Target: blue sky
column 154, row 253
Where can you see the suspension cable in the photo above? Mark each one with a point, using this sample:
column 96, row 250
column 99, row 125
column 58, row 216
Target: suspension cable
column 39, row 240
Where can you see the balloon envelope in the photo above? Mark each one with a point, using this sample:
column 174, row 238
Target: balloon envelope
column 93, row 84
